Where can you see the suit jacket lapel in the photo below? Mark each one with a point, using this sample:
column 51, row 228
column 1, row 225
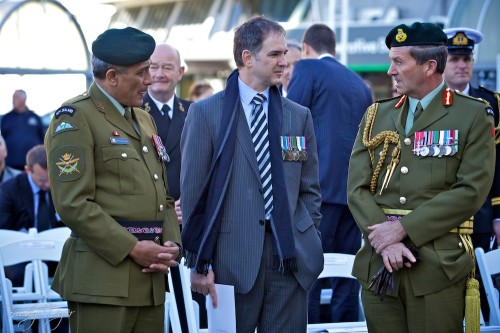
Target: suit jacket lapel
column 245, row 140
column 175, row 129
column 104, row 105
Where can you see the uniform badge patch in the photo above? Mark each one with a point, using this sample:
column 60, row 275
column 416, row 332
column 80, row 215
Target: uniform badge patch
column 64, row 126
column 67, row 163
column 489, row 112
column 64, row 110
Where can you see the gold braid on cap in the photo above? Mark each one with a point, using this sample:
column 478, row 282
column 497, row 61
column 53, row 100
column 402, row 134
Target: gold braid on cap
column 387, row 137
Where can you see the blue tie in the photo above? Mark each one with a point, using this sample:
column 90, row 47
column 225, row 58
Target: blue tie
column 258, row 129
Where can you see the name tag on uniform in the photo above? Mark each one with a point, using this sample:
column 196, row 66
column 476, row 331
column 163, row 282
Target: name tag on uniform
column 118, row 141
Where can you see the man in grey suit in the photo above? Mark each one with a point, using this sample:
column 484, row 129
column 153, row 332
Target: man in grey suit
column 250, row 189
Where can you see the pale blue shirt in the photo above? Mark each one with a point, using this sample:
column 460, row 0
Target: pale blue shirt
column 424, row 101
column 246, row 96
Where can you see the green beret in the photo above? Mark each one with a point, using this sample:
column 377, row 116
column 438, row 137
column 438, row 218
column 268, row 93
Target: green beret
column 123, row 47
column 416, row 34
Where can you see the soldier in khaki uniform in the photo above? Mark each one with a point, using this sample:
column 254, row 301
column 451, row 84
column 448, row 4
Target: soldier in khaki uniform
column 108, row 185
column 414, row 180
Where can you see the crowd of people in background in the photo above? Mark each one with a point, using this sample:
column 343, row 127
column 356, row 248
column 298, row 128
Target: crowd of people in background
column 252, row 184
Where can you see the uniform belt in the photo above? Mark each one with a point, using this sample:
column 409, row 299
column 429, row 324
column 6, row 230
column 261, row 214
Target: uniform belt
column 465, row 228
column 143, row 230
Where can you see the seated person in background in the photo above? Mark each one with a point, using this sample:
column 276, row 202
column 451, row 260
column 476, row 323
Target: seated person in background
column 200, row 90
column 6, row 172
column 25, row 202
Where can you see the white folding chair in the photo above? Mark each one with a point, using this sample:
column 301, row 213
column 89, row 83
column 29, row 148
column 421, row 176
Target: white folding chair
column 489, row 264
column 339, row 265
column 61, row 233
column 172, row 312
column 192, row 307
column 31, row 251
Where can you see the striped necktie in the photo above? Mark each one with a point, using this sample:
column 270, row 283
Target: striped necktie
column 259, row 132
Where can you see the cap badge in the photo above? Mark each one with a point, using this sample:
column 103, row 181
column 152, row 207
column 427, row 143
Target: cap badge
column 401, row 36
column 460, row 39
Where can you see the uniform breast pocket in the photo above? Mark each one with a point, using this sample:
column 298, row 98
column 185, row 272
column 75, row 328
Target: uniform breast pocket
column 124, row 173
column 437, row 173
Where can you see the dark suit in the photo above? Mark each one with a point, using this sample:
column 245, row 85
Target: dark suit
column 171, row 138
column 17, row 208
column 17, row 212
column 242, row 245
column 483, row 219
column 337, row 98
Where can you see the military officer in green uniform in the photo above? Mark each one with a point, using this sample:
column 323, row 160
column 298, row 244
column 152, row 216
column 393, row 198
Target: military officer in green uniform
column 421, row 166
column 107, row 174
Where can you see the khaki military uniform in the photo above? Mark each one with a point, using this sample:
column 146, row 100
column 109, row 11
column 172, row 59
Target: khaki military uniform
column 441, row 192
column 101, row 171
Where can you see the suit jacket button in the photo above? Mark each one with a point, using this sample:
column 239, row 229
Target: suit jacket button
column 402, row 200
column 407, row 141
column 145, row 149
column 262, row 222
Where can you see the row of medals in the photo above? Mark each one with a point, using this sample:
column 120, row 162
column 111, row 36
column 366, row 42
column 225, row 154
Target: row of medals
column 436, row 143
column 294, row 155
column 293, row 148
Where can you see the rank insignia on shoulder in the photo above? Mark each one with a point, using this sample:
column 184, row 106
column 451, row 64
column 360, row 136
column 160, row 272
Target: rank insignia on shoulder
column 64, row 110
column 68, row 162
column 64, row 126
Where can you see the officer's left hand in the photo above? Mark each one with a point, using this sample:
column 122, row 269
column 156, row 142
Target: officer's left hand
column 393, row 257
column 167, row 258
column 384, row 234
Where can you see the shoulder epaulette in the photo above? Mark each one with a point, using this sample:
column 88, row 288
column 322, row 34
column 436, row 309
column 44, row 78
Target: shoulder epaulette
column 78, row 98
column 483, row 88
column 470, row 97
column 388, row 99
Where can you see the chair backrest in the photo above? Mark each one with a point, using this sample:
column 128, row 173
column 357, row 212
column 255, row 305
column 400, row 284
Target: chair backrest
column 32, row 252
column 192, row 309
column 9, row 236
column 173, row 312
column 61, row 233
column 489, row 264
column 338, row 265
